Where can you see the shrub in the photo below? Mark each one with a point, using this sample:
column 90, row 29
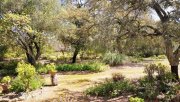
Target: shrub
column 8, row 68
column 110, row 89
column 46, row 68
column 6, row 79
column 152, row 86
column 27, row 79
column 95, row 67
column 117, row 77
column 136, row 99
column 159, row 68
column 113, row 59
column 18, row 85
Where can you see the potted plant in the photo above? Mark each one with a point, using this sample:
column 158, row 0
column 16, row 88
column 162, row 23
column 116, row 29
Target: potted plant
column 5, row 84
column 52, row 71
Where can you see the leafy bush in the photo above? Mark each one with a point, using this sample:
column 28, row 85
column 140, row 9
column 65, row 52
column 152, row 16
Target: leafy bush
column 6, row 79
column 96, row 67
column 159, row 68
column 152, row 86
column 110, row 89
column 27, row 79
column 18, row 85
column 113, row 59
column 46, row 68
column 136, row 99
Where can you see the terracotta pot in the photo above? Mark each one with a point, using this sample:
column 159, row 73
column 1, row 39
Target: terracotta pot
column 52, row 73
column 53, row 78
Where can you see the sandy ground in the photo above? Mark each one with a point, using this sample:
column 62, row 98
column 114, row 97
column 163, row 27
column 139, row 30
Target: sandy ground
column 72, row 85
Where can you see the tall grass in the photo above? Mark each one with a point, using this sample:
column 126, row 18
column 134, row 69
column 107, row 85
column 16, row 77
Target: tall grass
column 114, row 58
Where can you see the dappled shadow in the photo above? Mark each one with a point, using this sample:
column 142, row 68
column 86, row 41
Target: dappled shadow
column 71, row 96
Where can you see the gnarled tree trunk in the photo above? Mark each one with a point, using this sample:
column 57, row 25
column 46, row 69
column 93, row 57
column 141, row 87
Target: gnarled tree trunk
column 173, row 56
column 31, row 59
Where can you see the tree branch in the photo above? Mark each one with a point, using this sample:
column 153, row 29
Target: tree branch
column 156, row 32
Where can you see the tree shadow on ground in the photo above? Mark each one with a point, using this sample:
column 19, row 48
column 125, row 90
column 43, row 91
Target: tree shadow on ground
column 70, row 96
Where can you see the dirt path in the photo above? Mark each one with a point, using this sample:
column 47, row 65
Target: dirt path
column 72, row 85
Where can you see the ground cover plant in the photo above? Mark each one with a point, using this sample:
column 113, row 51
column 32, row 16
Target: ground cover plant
column 158, row 85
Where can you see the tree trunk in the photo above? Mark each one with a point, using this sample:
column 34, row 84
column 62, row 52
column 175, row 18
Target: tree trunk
column 31, row 59
column 38, row 50
column 173, row 57
column 174, row 70
column 119, row 46
column 75, row 55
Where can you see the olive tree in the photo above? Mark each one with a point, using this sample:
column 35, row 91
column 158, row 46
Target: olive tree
column 27, row 22
column 139, row 17
column 77, row 27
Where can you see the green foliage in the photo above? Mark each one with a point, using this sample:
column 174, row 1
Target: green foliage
column 152, row 86
column 159, row 68
column 18, row 85
column 3, row 50
column 27, row 79
column 95, row 67
column 136, row 99
column 46, row 68
column 143, row 46
column 113, row 59
column 8, row 68
column 6, row 79
column 111, row 89
column 25, row 71
column 135, row 59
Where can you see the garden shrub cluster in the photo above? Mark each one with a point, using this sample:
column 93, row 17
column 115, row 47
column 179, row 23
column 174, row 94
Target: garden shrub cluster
column 114, row 58
column 111, row 89
column 91, row 66
column 27, row 78
column 95, row 67
column 158, row 85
